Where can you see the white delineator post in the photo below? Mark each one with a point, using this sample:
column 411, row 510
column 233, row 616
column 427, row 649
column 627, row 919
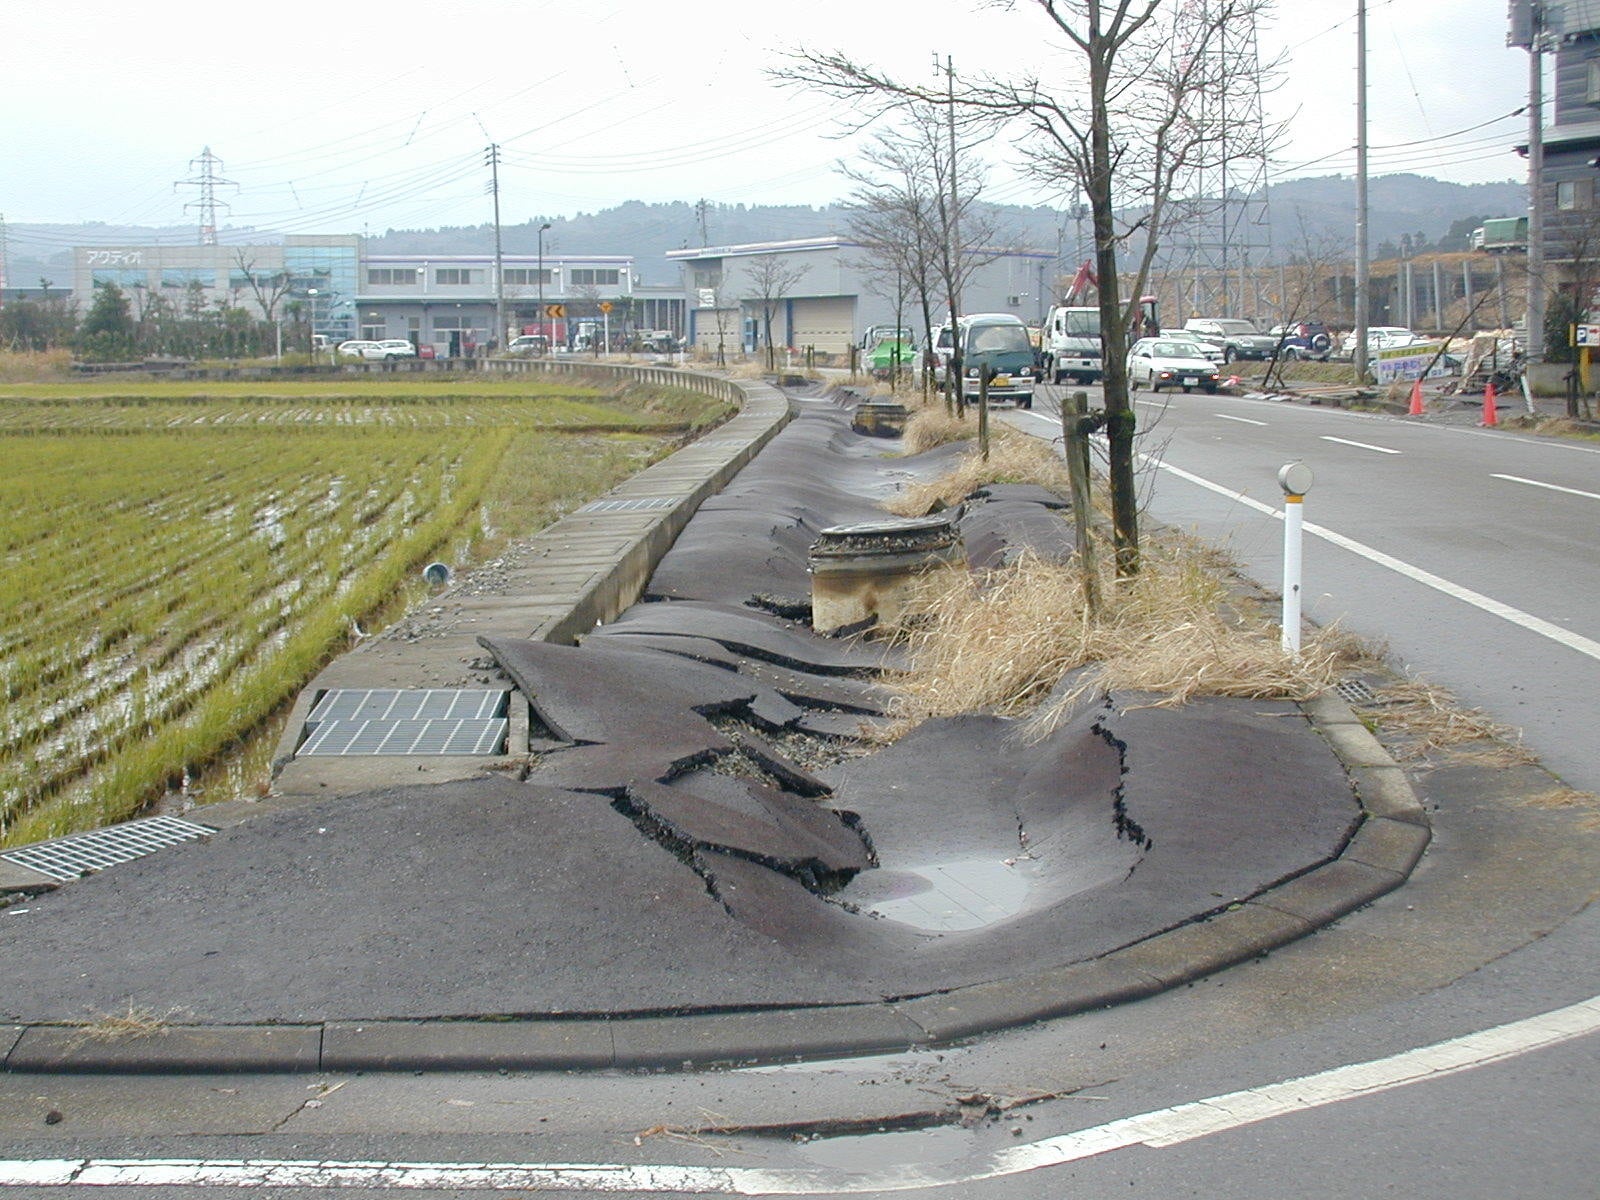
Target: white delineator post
column 1295, row 480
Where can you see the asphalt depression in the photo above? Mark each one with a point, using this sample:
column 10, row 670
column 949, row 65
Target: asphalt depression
column 701, row 828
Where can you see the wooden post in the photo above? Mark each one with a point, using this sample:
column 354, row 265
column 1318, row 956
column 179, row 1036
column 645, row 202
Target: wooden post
column 983, row 412
column 1075, row 443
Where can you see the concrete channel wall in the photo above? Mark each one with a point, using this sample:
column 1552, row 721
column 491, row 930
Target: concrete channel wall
column 582, row 571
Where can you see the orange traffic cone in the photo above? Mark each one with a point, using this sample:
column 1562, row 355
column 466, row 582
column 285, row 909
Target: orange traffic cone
column 1416, row 398
column 1489, row 417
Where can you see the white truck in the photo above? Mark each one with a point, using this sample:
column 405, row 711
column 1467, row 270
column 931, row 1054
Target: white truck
column 1070, row 344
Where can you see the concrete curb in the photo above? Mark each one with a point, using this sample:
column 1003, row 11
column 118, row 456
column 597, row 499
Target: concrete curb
column 1386, row 845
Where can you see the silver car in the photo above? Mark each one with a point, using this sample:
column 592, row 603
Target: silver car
column 1160, row 362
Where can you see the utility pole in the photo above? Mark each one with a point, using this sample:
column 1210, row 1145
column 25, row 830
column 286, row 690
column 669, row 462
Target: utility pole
column 1363, row 263
column 1535, row 344
column 700, row 212
column 207, row 181
column 953, row 241
column 492, row 157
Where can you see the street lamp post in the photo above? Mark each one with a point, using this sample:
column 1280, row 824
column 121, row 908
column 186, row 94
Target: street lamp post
column 311, row 320
column 545, row 337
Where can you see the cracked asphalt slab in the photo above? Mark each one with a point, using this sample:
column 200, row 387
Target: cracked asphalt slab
column 701, row 836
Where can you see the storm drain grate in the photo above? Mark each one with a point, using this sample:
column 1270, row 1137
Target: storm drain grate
column 1353, row 691
column 73, row 857
column 409, row 704
column 637, row 504
column 430, row 721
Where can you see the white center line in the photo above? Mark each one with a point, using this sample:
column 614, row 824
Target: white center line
column 1241, row 420
column 1359, row 445
column 1551, row 486
column 1538, row 625
column 1157, row 1129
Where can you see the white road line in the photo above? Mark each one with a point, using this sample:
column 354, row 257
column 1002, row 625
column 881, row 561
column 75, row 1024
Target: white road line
column 1156, row 1130
column 1359, row 445
column 1550, row 486
column 1241, row 420
column 1538, row 625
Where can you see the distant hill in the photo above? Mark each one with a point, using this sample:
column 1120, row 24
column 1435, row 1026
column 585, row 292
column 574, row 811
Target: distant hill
column 1319, row 211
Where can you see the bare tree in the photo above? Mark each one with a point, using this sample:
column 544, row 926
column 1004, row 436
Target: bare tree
column 771, row 277
column 1125, row 123
column 903, row 214
column 269, row 289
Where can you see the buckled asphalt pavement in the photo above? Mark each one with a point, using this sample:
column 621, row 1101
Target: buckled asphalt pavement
column 327, row 817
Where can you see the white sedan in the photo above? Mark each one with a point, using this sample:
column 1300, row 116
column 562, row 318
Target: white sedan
column 356, row 348
column 1165, row 362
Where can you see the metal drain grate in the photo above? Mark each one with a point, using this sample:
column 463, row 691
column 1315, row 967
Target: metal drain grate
column 405, row 737
column 638, row 504
column 409, row 704
column 1353, row 691
column 431, row 721
column 73, row 857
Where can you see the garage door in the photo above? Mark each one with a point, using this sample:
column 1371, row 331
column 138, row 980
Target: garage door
column 828, row 323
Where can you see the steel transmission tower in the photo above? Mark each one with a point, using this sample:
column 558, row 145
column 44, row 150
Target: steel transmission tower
column 208, row 181
column 1231, row 234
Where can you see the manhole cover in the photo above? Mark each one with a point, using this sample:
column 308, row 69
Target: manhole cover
column 74, row 857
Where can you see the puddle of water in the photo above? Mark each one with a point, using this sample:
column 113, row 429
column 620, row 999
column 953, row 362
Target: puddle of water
column 950, row 897
column 874, row 1151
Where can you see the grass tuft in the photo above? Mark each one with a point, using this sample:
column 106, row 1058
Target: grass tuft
column 1019, row 641
column 1013, row 458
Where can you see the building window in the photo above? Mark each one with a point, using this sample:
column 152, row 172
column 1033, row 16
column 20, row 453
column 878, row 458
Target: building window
column 390, row 276
column 456, row 276
column 1574, row 194
column 123, row 278
column 594, row 277
column 528, row 277
column 1591, row 91
column 707, row 278
column 182, row 277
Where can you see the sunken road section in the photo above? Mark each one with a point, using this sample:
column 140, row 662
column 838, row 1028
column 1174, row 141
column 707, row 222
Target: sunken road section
column 689, row 855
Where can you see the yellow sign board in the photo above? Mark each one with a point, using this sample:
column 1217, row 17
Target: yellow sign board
column 555, row 311
column 605, row 306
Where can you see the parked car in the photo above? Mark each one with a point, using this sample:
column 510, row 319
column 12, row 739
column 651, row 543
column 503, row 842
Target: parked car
column 1236, row 337
column 1160, row 362
column 397, row 348
column 1208, row 350
column 1302, row 339
column 529, row 343
column 358, row 348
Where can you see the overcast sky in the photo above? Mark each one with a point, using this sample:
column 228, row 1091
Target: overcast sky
column 338, row 119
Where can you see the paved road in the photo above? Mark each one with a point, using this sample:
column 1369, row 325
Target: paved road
column 1470, row 552
column 1474, row 943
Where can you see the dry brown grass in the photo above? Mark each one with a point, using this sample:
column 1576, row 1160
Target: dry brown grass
column 1585, row 806
column 1013, row 458
column 1425, row 720
column 931, row 426
column 31, row 366
column 136, row 1022
column 1005, row 642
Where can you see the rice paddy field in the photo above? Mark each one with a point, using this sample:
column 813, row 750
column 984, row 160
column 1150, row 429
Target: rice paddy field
column 180, row 558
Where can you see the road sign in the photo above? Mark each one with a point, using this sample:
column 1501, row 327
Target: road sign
column 1588, row 335
column 555, row 311
column 605, row 306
